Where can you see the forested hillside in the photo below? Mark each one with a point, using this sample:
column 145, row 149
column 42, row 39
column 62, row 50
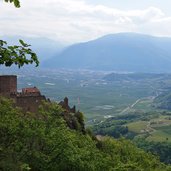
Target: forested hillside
column 41, row 142
column 163, row 100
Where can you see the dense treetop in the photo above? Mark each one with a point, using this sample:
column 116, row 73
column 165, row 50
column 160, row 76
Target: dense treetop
column 45, row 142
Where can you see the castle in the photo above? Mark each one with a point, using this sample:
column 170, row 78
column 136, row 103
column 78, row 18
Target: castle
column 28, row 99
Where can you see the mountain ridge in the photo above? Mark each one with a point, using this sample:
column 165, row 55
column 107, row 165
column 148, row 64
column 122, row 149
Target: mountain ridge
column 130, row 52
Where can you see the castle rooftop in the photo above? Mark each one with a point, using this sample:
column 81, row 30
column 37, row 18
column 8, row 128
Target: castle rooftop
column 30, row 90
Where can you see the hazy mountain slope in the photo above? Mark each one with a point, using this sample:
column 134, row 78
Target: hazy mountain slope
column 163, row 101
column 120, row 52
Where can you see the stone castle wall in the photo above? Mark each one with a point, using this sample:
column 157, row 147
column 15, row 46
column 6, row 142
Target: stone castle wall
column 27, row 101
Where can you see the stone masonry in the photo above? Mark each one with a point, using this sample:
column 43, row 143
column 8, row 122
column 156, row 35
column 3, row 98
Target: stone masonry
column 28, row 100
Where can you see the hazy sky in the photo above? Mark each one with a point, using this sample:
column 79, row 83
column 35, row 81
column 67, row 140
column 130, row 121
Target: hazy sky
column 81, row 20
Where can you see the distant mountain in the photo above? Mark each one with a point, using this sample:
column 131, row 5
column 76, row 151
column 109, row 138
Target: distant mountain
column 130, row 52
column 44, row 48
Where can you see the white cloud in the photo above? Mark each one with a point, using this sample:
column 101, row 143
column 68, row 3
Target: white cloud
column 76, row 20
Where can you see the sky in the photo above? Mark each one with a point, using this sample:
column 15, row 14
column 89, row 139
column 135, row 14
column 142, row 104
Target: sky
column 71, row 21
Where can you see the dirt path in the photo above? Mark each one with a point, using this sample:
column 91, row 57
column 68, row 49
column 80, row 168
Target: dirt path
column 152, row 130
column 130, row 107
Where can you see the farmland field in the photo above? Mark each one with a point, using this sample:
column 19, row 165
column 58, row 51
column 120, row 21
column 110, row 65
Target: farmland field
column 138, row 126
column 100, row 98
column 91, row 93
column 158, row 129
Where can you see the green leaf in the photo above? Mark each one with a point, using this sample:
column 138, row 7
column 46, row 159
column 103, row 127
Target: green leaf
column 22, row 43
column 18, row 55
column 17, row 3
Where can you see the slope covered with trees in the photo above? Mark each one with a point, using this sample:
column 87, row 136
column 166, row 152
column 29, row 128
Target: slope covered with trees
column 163, row 101
column 45, row 142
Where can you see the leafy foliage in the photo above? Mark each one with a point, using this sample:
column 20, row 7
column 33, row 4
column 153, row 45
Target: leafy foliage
column 115, row 129
column 16, row 2
column 18, row 55
column 45, row 142
column 128, row 158
column 162, row 149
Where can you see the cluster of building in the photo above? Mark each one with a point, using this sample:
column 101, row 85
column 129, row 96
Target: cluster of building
column 28, row 99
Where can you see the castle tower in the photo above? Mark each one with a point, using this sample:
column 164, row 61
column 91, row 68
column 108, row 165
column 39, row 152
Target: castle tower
column 66, row 101
column 8, row 85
